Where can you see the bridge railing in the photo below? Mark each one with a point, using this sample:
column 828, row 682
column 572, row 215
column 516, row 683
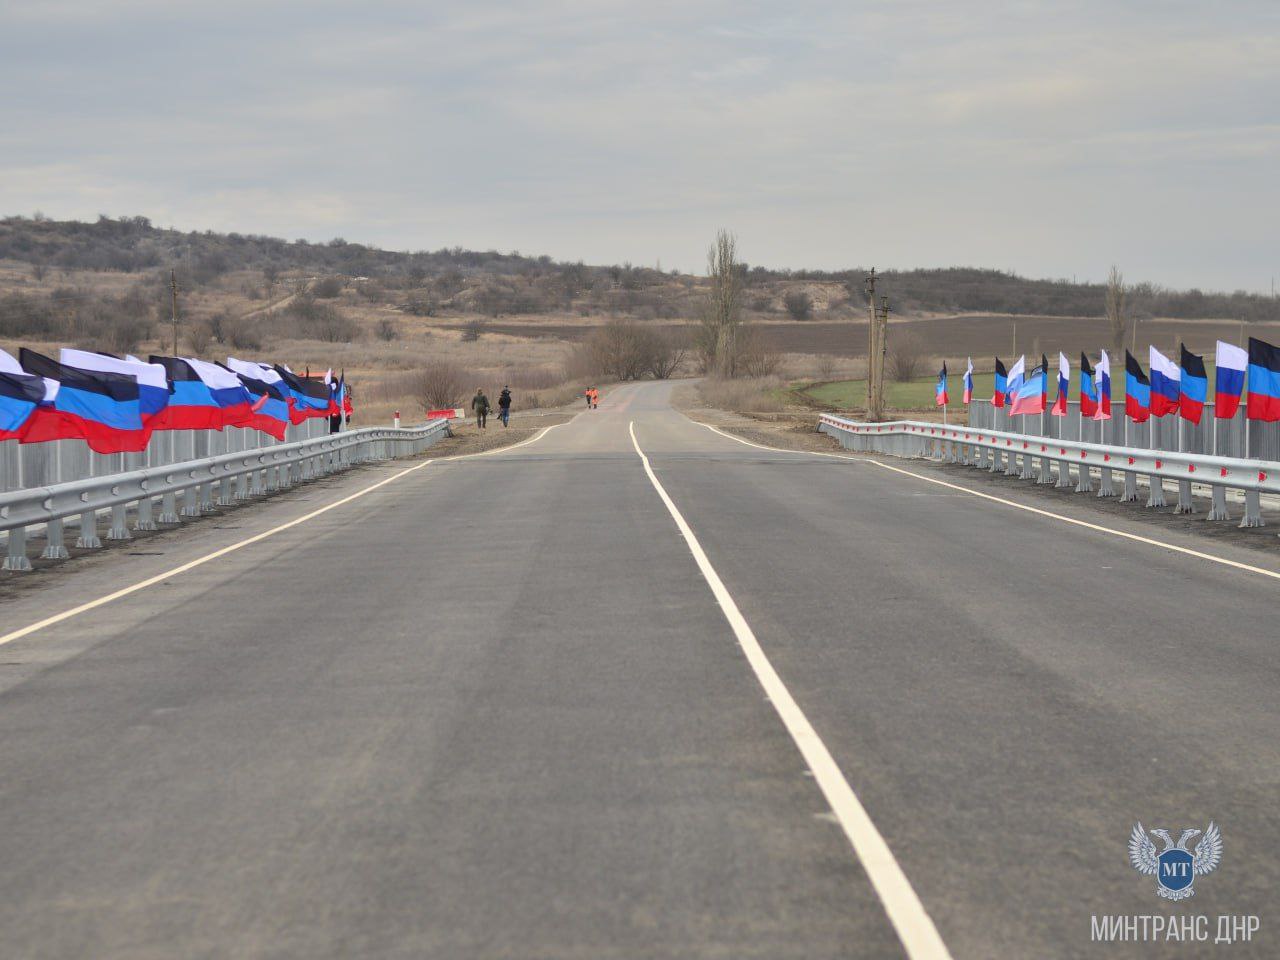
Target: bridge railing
column 1049, row 460
column 238, row 476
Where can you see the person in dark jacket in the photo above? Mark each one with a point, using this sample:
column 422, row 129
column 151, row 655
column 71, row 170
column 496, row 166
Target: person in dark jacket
column 504, row 405
column 480, row 404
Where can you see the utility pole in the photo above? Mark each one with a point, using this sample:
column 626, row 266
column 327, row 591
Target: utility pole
column 173, row 290
column 871, row 342
column 884, row 349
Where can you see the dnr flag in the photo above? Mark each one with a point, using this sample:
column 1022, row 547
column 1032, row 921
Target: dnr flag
column 20, row 394
column 99, row 407
column 1264, row 381
column 1088, row 389
column 1195, row 385
column 940, row 397
column 1002, row 385
column 1137, row 391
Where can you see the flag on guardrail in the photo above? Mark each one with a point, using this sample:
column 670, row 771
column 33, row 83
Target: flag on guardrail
column 1001, row 386
column 1137, row 390
column 20, row 393
column 270, row 409
column 1033, row 392
column 1088, row 389
column 153, row 385
column 98, row 406
column 1017, row 375
column 968, row 382
column 1064, row 386
column 1230, row 363
column 1165, row 388
column 1102, row 380
column 1194, row 385
column 204, row 396
column 1264, row 381
column 940, row 397
column 307, row 396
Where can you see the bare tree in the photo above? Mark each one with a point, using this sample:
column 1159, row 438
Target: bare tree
column 718, row 335
column 199, row 336
column 440, row 384
column 756, row 358
column 906, row 356
column 667, row 353
column 1117, row 315
column 826, row 366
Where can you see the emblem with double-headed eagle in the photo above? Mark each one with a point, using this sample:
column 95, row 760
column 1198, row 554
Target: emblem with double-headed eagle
column 1175, row 867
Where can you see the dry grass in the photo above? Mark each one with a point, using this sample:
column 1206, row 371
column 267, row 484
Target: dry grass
column 764, row 395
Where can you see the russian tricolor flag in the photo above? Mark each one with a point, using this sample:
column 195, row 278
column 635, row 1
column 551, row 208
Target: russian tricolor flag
column 1230, row 363
column 940, row 397
column 1102, row 380
column 20, row 394
column 1137, row 390
column 1166, row 390
column 1195, row 385
column 100, row 407
column 968, row 382
column 1264, row 381
column 1088, row 390
column 1064, row 386
column 205, row 396
column 1033, row 392
column 1017, row 374
column 1002, row 385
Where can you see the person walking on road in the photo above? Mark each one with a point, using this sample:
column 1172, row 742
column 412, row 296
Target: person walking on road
column 480, row 404
column 593, row 398
column 504, row 405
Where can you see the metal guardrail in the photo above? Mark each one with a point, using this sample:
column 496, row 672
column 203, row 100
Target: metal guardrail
column 238, row 475
column 1014, row 454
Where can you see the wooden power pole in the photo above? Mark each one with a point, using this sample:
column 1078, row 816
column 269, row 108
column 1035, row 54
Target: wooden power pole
column 871, row 344
column 173, row 316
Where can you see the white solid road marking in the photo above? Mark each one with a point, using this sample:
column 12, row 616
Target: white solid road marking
column 201, row 561
column 907, row 914
column 1137, row 538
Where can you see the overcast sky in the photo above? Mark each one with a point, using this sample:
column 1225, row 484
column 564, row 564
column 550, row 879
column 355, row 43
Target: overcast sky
column 1051, row 138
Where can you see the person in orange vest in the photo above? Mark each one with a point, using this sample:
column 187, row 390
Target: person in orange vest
column 595, row 397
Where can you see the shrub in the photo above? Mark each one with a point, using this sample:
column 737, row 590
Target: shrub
column 387, row 330
column 441, row 384
column 327, row 288
column 906, row 356
column 199, row 337
column 799, row 305
column 471, row 330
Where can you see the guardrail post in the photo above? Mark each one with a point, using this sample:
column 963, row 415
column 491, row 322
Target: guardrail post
column 88, row 539
column 1085, row 482
column 1046, row 472
column 1218, row 505
column 1011, row 462
column 145, row 520
column 1185, row 503
column 1155, row 487
column 54, row 547
column 1064, row 475
column 1252, row 510
column 226, row 490
column 206, row 497
column 119, row 523
column 169, row 508
column 1105, row 489
column 1028, row 466
column 242, row 487
column 1130, row 494
column 16, row 559
column 191, row 501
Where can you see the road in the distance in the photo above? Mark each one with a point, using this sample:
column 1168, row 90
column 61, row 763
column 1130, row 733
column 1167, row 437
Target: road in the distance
column 493, row 710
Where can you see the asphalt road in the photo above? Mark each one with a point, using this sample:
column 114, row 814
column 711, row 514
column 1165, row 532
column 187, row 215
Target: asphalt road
column 493, row 709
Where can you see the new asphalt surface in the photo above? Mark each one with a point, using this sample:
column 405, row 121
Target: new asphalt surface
column 493, row 709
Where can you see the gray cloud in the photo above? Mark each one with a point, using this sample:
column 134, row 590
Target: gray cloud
column 1049, row 138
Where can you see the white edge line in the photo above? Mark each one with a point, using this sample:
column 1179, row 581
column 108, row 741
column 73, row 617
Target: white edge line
column 915, row 929
column 223, row 551
column 1136, row 538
